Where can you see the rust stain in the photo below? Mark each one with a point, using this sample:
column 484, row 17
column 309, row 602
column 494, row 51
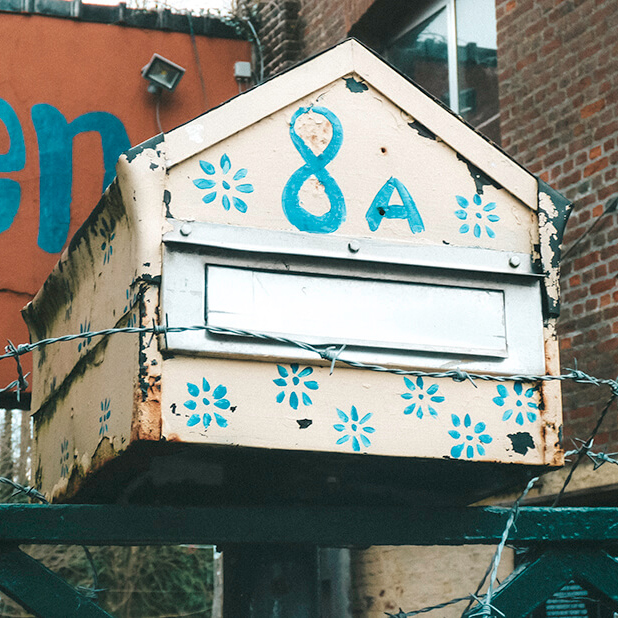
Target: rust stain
column 147, row 421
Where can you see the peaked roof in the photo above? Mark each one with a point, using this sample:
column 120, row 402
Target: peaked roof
column 345, row 59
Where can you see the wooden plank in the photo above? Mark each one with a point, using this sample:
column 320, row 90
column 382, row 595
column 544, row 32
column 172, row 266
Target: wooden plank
column 40, row 591
column 325, row 526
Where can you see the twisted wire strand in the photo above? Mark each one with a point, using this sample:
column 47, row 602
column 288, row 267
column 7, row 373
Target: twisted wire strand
column 332, row 353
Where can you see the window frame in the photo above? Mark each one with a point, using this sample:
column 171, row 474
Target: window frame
column 430, row 8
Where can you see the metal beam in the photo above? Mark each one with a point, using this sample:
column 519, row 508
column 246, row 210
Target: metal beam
column 40, row 591
column 326, row 526
column 534, row 582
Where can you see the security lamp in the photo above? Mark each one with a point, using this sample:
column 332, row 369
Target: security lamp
column 162, row 73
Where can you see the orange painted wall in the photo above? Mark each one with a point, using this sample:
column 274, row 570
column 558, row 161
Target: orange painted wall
column 80, row 67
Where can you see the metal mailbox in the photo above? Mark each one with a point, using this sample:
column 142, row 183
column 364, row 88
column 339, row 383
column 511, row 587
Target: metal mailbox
column 331, row 217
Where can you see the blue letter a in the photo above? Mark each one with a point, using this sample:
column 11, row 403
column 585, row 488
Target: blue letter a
column 381, row 207
column 55, row 137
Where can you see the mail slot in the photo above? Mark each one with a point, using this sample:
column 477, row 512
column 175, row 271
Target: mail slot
column 328, row 289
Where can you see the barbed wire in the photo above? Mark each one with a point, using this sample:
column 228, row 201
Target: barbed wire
column 332, row 353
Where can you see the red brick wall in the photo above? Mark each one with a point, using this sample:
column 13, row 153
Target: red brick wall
column 291, row 30
column 558, row 69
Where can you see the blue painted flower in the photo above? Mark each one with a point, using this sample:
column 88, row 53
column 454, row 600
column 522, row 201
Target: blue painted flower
column 84, row 327
column 105, row 414
column 217, row 398
column 354, row 429
column 64, row 458
column 293, row 382
column 107, row 232
column 522, row 408
column 470, row 437
column 422, row 397
column 464, row 212
column 225, row 187
column 131, row 299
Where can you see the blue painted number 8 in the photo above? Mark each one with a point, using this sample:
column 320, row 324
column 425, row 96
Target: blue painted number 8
column 315, row 166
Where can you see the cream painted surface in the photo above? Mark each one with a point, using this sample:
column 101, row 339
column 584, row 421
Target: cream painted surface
column 258, row 420
column 97, row 406
column 377, row 144
column 411, row 578
column 348, row 58
column 109, row 263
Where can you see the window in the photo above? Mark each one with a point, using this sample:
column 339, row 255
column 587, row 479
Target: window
column 449, row 48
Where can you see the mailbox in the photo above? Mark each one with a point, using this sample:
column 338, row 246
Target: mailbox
column 304, row 277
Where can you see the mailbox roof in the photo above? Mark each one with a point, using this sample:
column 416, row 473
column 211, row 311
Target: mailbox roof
column 344, row 60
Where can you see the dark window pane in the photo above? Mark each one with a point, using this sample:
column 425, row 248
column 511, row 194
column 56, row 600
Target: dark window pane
column 421, row 53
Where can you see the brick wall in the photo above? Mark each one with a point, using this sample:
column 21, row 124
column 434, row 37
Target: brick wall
column 280, row 36
column 291, row 30
column 558, row 70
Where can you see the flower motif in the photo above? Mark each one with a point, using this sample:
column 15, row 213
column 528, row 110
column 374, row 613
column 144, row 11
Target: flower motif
column 224, row 187
column 130, row 302
column 84, row 327
column 64, row 458
column 293, row 381
column 463, row 213
column 105, row 414
column 354, row 428
column 107, row 231
column 522, row 408
column 469, row 436
column 423, row 397
column 218, row 400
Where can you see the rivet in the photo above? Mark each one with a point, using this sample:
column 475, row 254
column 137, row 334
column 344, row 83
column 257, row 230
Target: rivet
column 514, row 261
column 185, row 229
column 354, row 246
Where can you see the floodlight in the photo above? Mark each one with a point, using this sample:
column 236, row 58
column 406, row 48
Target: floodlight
column 162, row 73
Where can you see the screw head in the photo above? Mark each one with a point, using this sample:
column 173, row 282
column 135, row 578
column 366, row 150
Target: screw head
column 514, row 261
column 185, row 229
column 354, row 246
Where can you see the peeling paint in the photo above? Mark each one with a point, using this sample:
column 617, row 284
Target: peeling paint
column 167, row 198
column 554, row 211
column 521, row 442
column 354, row 85
column 480, row 178
column 422, row 130
column 149, row 144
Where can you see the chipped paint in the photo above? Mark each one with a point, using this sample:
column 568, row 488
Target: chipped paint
column 553, row 213
column 149, row 144
column 551, row 393
column 480, row 178
column 167, row 198
column 422, row 130
column 521, row 442
column 355, row 86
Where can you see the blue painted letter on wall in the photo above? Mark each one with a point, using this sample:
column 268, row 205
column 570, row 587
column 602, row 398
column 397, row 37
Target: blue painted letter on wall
column 55, row 136
column 382, row 208
column 11, row 161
